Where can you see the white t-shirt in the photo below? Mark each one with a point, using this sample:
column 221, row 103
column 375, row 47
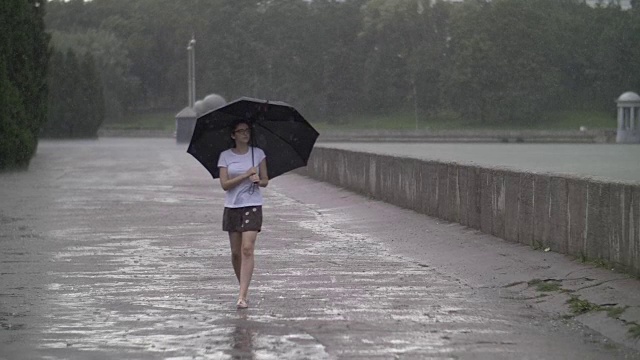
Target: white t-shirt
column 246, row 193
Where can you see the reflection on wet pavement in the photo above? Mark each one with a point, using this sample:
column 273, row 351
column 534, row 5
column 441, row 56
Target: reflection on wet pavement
column 114, row 253
column 242, row 338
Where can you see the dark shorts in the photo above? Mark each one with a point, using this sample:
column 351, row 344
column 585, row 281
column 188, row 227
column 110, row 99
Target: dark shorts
column 242, row 219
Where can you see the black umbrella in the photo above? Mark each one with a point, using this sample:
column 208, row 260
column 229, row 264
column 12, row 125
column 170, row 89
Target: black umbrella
column 276, row 127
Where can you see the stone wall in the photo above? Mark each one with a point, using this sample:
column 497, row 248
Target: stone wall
column 475, row 136
column 582, row 217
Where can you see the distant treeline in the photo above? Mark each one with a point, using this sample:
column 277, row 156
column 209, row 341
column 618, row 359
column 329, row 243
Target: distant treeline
column 500, row 61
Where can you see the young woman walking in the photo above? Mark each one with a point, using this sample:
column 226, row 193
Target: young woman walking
column 243, row 170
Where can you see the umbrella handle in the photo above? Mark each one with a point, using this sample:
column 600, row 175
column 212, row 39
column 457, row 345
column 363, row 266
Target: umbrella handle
column 253, row 185
column 253, row 143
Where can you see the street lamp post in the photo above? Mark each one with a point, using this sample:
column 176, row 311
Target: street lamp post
column 191, row 49
column 186, row 119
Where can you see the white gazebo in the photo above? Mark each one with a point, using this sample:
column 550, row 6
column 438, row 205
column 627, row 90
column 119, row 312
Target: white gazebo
column 186, row 119
column 628, row 118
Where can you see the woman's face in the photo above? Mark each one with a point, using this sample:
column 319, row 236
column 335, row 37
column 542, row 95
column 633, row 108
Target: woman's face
column 241, row 133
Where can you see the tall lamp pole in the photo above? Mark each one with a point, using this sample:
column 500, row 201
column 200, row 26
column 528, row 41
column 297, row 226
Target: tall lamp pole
column 191, row 49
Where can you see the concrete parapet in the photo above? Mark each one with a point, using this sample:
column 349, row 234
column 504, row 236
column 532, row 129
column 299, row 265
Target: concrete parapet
column 582, row 217
column 577, row 209
column 558, row 216
column 475, row 135
column 526, row 209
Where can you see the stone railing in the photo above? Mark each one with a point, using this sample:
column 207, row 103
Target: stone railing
column 582, row 217
column 527, row 136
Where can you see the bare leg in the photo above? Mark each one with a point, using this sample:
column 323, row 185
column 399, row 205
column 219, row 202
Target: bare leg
column 248, row 245
column 235, row 240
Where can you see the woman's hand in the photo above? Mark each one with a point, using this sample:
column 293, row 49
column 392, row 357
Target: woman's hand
column 253, row 175
column 228, row 184
column 253, row 171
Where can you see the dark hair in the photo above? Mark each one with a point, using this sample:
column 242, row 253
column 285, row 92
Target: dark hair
column 235, row 124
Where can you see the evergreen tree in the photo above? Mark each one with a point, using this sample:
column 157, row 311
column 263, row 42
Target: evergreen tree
column 76, row 101
column 93, row 100
column 24, row 55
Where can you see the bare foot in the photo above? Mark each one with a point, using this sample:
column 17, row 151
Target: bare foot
column 242, row 304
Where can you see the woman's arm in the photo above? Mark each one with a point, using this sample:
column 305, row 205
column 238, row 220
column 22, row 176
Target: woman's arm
column 264, row 175
column 228, row 184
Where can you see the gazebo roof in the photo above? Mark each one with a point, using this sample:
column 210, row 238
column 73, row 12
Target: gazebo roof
column 629, row 97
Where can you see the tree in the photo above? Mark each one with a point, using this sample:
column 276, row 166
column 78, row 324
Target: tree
column 76, row 102
column 386, row 26
column 406, row 54
column 500, row 68
column 112, row 63
column 24, row 55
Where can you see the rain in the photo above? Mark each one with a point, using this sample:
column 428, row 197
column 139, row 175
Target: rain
column 320, row 179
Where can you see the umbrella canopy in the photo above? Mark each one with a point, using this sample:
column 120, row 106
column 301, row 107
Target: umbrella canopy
column 276, row 127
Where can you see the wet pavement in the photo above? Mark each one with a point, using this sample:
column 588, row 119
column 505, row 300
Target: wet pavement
column 113, row 249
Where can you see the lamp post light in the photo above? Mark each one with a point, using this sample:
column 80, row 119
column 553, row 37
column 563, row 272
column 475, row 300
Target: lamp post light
column 191, row 50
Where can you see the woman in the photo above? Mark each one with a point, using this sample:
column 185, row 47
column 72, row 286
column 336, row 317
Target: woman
column 243, row 170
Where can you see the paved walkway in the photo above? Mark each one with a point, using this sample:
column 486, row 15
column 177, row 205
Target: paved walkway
column 113, row 249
